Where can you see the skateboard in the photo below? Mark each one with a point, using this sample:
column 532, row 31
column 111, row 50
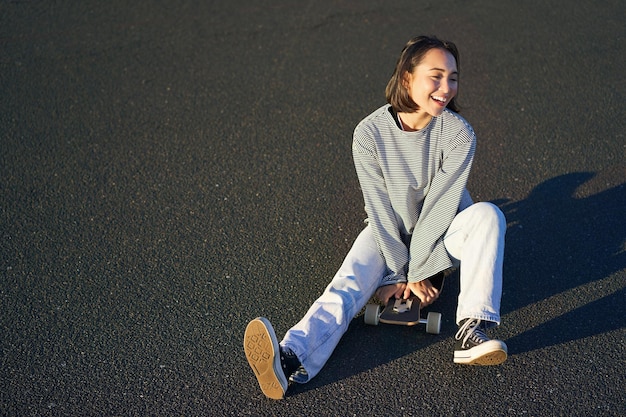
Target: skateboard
column 405, row 312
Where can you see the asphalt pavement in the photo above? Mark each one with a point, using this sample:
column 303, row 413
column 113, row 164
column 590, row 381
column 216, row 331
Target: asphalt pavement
column 171, row 170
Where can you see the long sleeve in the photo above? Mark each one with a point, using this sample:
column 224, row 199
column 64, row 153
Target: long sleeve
column 378, row 205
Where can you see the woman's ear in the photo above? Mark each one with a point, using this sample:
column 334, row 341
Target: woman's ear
column 406, row 79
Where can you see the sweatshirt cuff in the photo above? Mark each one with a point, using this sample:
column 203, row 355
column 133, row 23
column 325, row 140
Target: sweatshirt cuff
column 393, row 278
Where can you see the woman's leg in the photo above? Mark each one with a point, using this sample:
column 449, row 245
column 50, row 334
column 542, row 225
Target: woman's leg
column 314, row 338
column 476, row 239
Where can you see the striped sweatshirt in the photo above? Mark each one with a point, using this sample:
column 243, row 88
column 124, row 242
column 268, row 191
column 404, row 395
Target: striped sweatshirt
column 413, row 185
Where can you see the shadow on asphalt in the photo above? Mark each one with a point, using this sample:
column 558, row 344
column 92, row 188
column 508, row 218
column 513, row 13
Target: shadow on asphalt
column 556, row 241
column 597, row 317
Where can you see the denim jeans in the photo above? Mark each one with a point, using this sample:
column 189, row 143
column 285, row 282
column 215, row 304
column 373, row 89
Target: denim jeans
column 475, row 240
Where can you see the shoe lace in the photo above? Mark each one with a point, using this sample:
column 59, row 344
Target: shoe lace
column 470, row 330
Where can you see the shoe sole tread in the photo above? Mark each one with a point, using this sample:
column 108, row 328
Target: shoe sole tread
column 261, row 349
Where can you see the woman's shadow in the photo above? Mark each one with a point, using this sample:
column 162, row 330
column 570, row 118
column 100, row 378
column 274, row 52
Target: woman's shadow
column 555, row 242
column 558, row 241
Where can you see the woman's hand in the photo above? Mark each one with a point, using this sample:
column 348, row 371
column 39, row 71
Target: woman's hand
column 424, row 290
column 389, row 291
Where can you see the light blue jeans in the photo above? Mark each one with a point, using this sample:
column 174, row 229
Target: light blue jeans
column 475, row 239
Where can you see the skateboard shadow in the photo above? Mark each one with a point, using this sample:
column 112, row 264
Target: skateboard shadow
column 555, row 242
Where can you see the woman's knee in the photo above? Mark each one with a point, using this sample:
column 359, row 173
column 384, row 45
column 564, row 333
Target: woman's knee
column 491, row 213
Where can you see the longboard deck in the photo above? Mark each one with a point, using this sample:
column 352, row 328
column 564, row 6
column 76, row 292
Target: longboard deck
column 407, row 312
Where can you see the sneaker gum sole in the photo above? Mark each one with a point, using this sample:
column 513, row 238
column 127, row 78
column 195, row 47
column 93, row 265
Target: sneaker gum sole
column 485, row 354
column 261, row 355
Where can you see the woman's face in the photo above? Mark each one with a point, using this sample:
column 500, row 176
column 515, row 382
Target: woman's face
column 433, row 82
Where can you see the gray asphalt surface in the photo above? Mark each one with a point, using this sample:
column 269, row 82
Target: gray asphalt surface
column 171, row 170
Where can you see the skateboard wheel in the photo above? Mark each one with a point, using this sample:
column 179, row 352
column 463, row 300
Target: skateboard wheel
column 372, row 314
column 433, row 323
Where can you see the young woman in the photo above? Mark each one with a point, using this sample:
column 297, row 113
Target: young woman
column 413, row 157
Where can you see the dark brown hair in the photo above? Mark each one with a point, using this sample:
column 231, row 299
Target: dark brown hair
column 412, row 54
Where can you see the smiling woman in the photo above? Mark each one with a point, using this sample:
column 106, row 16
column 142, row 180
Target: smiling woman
column 431, row 85
column 414, row 55
column 412, row 157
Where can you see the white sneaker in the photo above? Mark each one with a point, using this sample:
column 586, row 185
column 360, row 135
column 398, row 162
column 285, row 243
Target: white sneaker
column 473, row 347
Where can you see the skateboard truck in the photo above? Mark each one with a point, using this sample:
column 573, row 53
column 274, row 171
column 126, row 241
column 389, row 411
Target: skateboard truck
column 402, row 306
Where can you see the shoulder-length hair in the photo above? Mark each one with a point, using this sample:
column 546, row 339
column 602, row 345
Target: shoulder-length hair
column 412, row 54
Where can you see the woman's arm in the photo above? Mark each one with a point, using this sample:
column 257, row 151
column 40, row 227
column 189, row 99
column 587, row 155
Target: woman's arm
column 380, row 213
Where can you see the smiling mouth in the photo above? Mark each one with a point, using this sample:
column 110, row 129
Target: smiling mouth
column 439, row 99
